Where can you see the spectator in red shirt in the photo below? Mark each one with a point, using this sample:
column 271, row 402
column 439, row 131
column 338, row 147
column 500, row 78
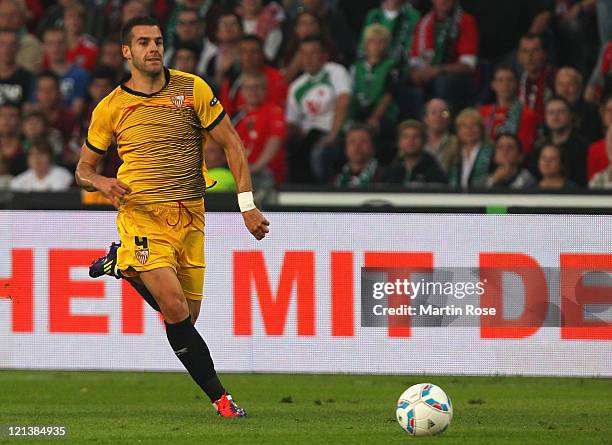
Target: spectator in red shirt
column 82, row 48
column 597, row 157
column 252, row 61
column 445, row 53
column 537, row 78
column 600, row 82
column 508, row 115
column 262, row 127
column 603, row 179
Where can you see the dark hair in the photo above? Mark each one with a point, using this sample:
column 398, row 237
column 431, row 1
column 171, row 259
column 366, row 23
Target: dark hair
column 293, row 42
column 559, row 99
column 314, row 39
column 357, row 126
column 252, row 38
column 535, row 36
column 11, row 105
column 562, row 166
column 57, row 29
column 113, row 39
column 512, row 136
column 103, row 72
column 37, row 114
column 559, row 150
column 233, row 14
column 414, row 124
column 126, row 30
column 192, row 48
column 190, row 10
column 505, row 67
column 41, row 145
column 48, row 74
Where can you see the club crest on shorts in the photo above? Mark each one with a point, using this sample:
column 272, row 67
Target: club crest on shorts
column 142, row 255
column 178, row 101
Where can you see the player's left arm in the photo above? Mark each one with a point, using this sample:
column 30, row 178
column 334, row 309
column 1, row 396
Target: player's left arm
column 225, row 134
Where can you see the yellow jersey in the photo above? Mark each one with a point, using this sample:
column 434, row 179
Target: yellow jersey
column 160, row 137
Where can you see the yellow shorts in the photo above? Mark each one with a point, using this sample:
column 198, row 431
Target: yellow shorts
column 169, row 234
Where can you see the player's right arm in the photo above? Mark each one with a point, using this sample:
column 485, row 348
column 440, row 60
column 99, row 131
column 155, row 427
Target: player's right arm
column 99, row 138
column 88, row 178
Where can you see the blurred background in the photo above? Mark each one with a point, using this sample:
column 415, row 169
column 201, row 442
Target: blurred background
column 509, row 97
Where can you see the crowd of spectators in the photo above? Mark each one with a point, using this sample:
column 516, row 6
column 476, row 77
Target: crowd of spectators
column 465, row 94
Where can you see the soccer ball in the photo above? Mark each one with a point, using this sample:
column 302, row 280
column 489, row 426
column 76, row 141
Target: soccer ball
column 424, row 410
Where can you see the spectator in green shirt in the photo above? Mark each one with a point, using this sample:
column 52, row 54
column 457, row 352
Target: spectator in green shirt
column 400, row 18
column 374, row 80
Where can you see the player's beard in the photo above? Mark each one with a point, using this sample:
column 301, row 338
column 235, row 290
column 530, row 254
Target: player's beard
column 148, row 70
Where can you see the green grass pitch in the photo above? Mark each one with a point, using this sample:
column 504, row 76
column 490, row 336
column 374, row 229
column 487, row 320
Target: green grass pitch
column 167, row 408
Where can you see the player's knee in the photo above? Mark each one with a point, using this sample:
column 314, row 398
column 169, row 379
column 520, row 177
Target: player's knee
column 174, row 308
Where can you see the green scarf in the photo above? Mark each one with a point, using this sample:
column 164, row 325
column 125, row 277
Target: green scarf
column 346, row 178
column 446, row 34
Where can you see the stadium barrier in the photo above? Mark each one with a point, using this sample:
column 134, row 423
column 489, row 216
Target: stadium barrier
column 291, row 303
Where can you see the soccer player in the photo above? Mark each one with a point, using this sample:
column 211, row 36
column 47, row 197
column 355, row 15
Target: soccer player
column 161, row 120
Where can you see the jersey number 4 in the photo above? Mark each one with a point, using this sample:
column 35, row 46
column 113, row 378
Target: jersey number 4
column 141, row 242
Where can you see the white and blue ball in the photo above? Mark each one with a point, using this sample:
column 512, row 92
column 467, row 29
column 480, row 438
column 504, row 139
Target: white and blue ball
column 424, row 410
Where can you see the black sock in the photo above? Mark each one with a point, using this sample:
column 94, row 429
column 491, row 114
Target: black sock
column 144, row 293
column 191, row 349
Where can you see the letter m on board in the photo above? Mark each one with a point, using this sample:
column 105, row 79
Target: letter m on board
column 297, row 272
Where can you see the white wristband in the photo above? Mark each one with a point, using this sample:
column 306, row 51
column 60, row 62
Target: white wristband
column 245, row 201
